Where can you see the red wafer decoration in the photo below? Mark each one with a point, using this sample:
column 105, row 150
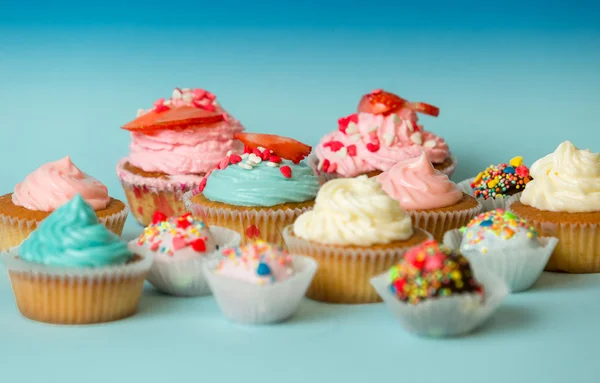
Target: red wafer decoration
column 386, row 103
column 279, row 146
column 173, row 118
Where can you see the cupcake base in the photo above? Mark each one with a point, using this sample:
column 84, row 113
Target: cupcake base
column 16, row 222
column 578, row 248
column 345, row 272
column 251, row 222
column 439, row 221
column 74, row 297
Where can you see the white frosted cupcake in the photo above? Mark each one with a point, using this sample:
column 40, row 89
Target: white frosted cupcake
column 504, row 244
column 259, row 283
column 181, row 246
column 354, row 232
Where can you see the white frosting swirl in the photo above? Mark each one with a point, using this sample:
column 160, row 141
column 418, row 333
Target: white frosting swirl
column 354, row 211
column 567, row 180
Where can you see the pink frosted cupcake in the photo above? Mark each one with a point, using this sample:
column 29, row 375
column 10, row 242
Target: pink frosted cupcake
column 173, row 145
column 383, row 132
column 47, row 188
column 435, row 203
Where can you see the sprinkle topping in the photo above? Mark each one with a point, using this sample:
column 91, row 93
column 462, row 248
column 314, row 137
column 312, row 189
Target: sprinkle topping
column 499, row 181
column 503, row 224
column 258, row 262
column 431, row 271
column 169, row 235
column 198, row 98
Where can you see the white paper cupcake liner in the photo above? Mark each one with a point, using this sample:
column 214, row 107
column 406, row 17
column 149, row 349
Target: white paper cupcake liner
column 446, row 316
column 439, row 222
column 154, row 185
column 248, row 303
column 313, row 162
column 488, row 204
column 186, row 278
column 578, row 248
column 70, row 295
column 269, row 223
column 519, row 269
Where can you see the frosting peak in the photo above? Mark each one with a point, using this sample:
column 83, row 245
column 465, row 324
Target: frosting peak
column 354, row 211
column 72, row 236
column 416, row 184
column 55, row 183
column 567, row 180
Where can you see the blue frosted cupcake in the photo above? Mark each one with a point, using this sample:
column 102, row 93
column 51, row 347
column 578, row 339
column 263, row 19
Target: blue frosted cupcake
column 257, row 193
column 72, row 270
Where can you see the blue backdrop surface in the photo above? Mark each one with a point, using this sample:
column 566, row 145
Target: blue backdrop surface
column 515, row 78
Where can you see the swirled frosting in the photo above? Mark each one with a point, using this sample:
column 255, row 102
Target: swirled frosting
column 366, row 142
column 189, row 150
column 416, row 184
column 72, row 237
column 354, row 211
column 567, row 180
column 55, row 183
column 253, row 182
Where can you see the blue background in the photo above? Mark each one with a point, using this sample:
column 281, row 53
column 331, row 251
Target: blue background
column 510, row 78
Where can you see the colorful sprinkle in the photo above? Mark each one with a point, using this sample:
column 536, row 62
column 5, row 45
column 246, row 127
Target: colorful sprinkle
column 429, row 271
column 499, row 181
column 503, row 224
column 186, row 230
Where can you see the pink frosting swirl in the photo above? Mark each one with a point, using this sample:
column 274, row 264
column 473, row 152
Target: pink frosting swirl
column 416, row 184
column 55, row 183
column 377, row 142
column 193, row 150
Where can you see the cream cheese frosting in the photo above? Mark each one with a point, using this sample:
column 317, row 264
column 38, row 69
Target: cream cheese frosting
column 56, row 183
column 354, row 211
column 567, row 180
column 417, row 185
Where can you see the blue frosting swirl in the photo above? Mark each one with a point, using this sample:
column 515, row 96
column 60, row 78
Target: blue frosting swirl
column 262, row 185
column 72, row 236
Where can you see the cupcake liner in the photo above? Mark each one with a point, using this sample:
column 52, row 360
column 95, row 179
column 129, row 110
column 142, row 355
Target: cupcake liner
column 488, row 204
column 578, row 248
column 15, row 231
column 344, row 272
column 439, row 222
column 186, row 278
column 248, row 303
column 519, row 269
column 445, row 316
column 313, row 162
column 63, row 295
column 146, row 195
column 265, row 223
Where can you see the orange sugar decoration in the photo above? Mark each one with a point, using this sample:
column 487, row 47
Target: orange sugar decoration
column 386, row 103
column 283, row 147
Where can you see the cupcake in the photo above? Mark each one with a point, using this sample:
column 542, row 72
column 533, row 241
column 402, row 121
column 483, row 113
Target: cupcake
column 493, row 186
column 259, row 283
column 433, row 292
column 563, row 201
column 173, row 145
column 354, row 232
column 259, row 192
column 434, row 202
column 47, row 188
column 384, row 132
column 72, row 270
column 504, row 244
column 181, row 245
